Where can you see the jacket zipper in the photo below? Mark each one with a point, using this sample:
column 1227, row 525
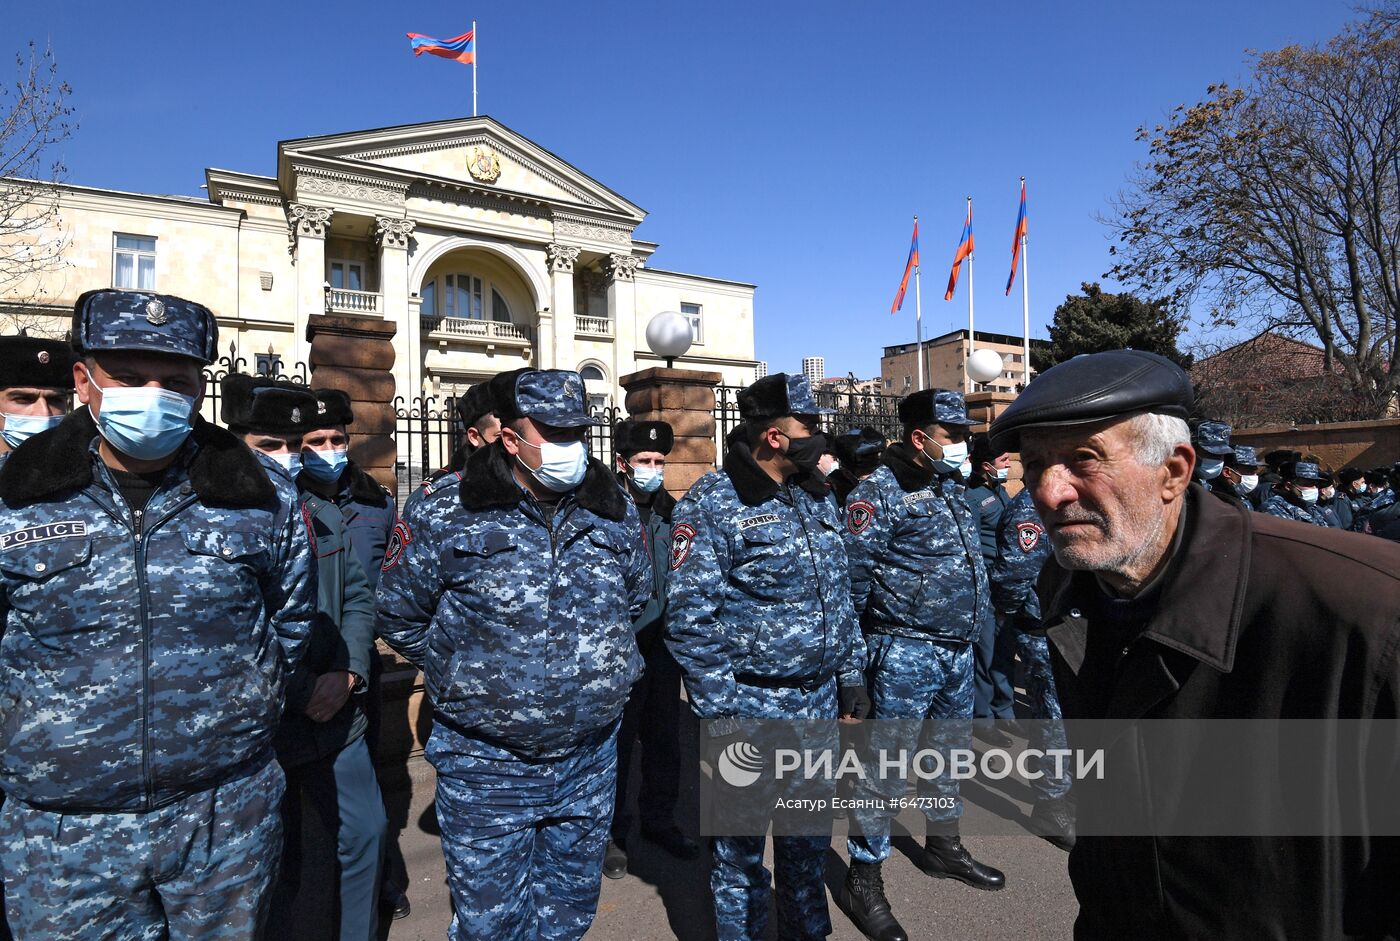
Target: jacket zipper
column 972, row 562
column 816, row 572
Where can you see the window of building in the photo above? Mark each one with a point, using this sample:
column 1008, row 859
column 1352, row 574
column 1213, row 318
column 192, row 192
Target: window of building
column 592, row 373
column 908, row 381
column 347, row 276
column 462, row 296
column 269, row 364
column 133, row 262
column 692, row 312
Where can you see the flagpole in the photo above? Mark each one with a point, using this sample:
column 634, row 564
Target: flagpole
column 1025, row 305
column 918, row 319
column 971, row 334
column 476, row 54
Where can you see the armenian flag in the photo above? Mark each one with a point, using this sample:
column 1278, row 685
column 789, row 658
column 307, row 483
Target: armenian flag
column 909, row 267
column 965, row 250
column 1016, row 240
column 459, row 49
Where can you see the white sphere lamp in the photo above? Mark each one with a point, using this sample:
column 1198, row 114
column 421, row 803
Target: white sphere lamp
column 984, row 365
column 669, row 336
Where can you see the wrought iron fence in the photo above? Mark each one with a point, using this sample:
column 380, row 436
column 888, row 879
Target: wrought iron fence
column 851, row 410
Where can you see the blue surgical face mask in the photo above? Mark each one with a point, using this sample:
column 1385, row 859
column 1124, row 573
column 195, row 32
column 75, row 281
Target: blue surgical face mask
column 953, row 457
column 19, row 428
column 562, row 466
column 143, row 422
column 1001, row 473
column 1248, row 483
column 290, row 462
column 1359, row 487
column 1308, row 495
column 324, row 466
column 1210, row 468
column 647, row 479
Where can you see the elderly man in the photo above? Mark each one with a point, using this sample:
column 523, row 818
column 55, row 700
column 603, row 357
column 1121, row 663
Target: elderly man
column 1163, row 603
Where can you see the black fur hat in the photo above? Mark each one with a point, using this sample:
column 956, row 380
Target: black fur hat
column 476, row 404
column 859, row 447
column 37, row 362
column 1278, row 458
column 332, row 409
column 632, row 437
column 273, row 406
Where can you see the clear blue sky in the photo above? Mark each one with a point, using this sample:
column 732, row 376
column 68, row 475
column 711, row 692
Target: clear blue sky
column 786, row 144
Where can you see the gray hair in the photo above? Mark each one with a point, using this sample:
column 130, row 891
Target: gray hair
column 1157, row 436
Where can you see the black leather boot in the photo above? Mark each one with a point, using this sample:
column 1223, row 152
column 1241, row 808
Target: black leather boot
column 1054, row 820
column 946, row 858
column 615, row 861
column 863, row 898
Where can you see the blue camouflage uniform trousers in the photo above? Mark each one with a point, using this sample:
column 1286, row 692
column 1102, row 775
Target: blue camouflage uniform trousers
column 523, row 839
column 912, row 681
column 738, row 879
column 1048, row 731
column 198, row 869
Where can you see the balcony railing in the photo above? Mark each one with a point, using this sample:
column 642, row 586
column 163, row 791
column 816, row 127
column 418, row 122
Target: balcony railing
column 476, row 329
column 342, row 300
column 598, row 326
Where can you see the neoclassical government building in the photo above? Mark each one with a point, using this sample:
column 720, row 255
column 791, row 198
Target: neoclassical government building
column 486, row 250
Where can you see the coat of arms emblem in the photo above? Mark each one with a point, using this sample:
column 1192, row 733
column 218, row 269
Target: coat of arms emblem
column 484, row 165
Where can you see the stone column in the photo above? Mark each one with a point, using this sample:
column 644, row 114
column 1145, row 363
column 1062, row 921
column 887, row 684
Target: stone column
column 307, row 227
column 356, row 356
column 561, row 273
column 983, row 407
column 622, row 301
column 685, row 399
column 391, row 236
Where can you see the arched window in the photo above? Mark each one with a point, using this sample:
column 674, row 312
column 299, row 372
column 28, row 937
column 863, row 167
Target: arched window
column 591, row 372
column 460, row 295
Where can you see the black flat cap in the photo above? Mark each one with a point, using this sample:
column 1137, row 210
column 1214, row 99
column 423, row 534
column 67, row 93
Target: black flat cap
column 632, row 437
column 332, row 409
column 476, row 404
column 36, row 362
column 271, row 406
column 1093, row 388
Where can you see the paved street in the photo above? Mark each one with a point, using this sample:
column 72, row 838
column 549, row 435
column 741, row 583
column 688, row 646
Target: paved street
column 661, row 898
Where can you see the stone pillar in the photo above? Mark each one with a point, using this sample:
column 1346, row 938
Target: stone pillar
column 307, row 227
column 561, row 274
column 391, row 236
column 685, row 399
column 356, row 356
column 620, row 271
column 982, row 407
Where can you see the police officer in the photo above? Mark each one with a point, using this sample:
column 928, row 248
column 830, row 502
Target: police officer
column 919, row 583
column 157, row 583
column 36, row 387
column 476, row 416
column 1296, row 496
column 321, row 743
column 857, row 454
column 1211, row 439
column 516, row 592
column 367, row 508
column 1328, row 503
column 1351, row 483
column 1239, row 478
column 653, row 710
column 995, row 649
column 759, row 618
column 1021, row 553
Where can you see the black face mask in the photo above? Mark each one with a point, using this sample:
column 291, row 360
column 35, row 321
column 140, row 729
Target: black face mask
column 806, row 452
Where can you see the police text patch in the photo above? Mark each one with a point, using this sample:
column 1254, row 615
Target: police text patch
column 760, row 520
column 918, row 496
column 23, row 537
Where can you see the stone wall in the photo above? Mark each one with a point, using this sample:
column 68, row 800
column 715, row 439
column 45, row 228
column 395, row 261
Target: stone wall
column 1364, row 444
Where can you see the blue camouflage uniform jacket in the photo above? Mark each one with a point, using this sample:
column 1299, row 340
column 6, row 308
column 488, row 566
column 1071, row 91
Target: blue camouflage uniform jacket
column 1022, row 548
column 519, row 615
column 342, row 638
column 1279, row 505
column 143, row 652
column 759, row 590
column 916, row 553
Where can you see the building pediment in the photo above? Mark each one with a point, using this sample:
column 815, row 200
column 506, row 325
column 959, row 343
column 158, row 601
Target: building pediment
column 476, row 154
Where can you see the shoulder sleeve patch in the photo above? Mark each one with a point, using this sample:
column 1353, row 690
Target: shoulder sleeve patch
column 859, row 516
column 399, row 538
column 1028, row 533
column 682, row 539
